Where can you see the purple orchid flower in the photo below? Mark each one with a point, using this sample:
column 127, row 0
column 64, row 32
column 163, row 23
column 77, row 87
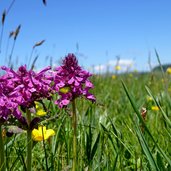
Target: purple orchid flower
column 22, row 88
column 70, row 75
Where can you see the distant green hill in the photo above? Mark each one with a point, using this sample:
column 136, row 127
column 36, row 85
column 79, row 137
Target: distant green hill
column 164, row 66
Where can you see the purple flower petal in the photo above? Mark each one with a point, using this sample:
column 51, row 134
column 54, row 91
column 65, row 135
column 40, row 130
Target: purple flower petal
column 74, row 77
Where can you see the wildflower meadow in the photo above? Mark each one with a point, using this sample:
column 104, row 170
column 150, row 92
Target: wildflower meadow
column 66, row 118
column 69, row 119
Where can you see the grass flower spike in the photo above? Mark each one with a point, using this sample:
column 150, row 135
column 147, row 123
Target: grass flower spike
column 42, row 133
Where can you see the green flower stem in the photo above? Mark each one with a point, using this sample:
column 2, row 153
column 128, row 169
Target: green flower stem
column 74, row 120
column 29, row 142
column 2, row 154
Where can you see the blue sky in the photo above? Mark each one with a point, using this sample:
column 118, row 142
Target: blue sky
column 103, row 29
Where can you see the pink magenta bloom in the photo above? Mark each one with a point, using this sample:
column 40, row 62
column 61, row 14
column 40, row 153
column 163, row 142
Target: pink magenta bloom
column 22, row 88
column 71, row 76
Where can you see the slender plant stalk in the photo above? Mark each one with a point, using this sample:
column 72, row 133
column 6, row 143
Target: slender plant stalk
column 2, row 154
column 74, row 120
column 10, row 57
column 1, row 35
column 45, row 150
column 29, row 142
column 30, row 57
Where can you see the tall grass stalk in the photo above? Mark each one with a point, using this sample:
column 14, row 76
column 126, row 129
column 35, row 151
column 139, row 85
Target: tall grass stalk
column 44, row 147
column 29, row 142
column 2, row 154
column 74, row 122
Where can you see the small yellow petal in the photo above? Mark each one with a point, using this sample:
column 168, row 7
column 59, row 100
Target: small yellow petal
column 39, row 109
column 149, row 98
column 49, row 133
column 36, row 136
column 41, row 112
column 117, row 67
column 42, row 132
column 37, row 105
column 113, row 76
column 64, row 90
column 155, row 108
column 168, row 70
column 42, row 129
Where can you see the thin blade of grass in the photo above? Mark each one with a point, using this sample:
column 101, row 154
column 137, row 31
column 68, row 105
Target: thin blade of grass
column 93, row 151
column 142, row 122
column 161, row 109
column 145, row 147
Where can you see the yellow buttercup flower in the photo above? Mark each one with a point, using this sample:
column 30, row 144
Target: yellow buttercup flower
column 39, row 110
column 155, row 108
column 113, row 76
column 42, row 132
column 149, row 98
column 117, row 67
column 168, row 70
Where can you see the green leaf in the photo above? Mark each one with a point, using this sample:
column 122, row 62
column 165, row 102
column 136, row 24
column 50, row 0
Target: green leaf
column 142, row 122
column 157, row 103
column 95, row 146
column 160, row 162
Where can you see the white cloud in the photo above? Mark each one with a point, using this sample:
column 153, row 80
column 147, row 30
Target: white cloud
column 125, row 64
column 100, row 68
column 122, row 62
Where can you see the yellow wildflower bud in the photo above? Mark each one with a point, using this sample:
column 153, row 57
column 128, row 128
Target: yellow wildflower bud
column 42, row 133
column 113, row 76
column 39, row 110
column 117, row 67
column 64, row 90
column 168, row 70
column 149, row 98
column 155, row 108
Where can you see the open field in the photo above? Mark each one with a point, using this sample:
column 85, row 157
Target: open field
column 111, row 134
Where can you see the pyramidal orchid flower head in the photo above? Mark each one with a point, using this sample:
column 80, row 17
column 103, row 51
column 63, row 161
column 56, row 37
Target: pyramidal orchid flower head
column 22, row 88
column 71, row 81
column 8, row 104
column 29, row 86
column 8, row 108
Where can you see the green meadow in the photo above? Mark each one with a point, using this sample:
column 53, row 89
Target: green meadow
column 112, row 133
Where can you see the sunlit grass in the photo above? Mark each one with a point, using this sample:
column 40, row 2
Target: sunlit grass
column 109, row 133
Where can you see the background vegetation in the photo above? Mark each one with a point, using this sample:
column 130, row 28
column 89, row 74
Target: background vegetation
column 111, row 133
